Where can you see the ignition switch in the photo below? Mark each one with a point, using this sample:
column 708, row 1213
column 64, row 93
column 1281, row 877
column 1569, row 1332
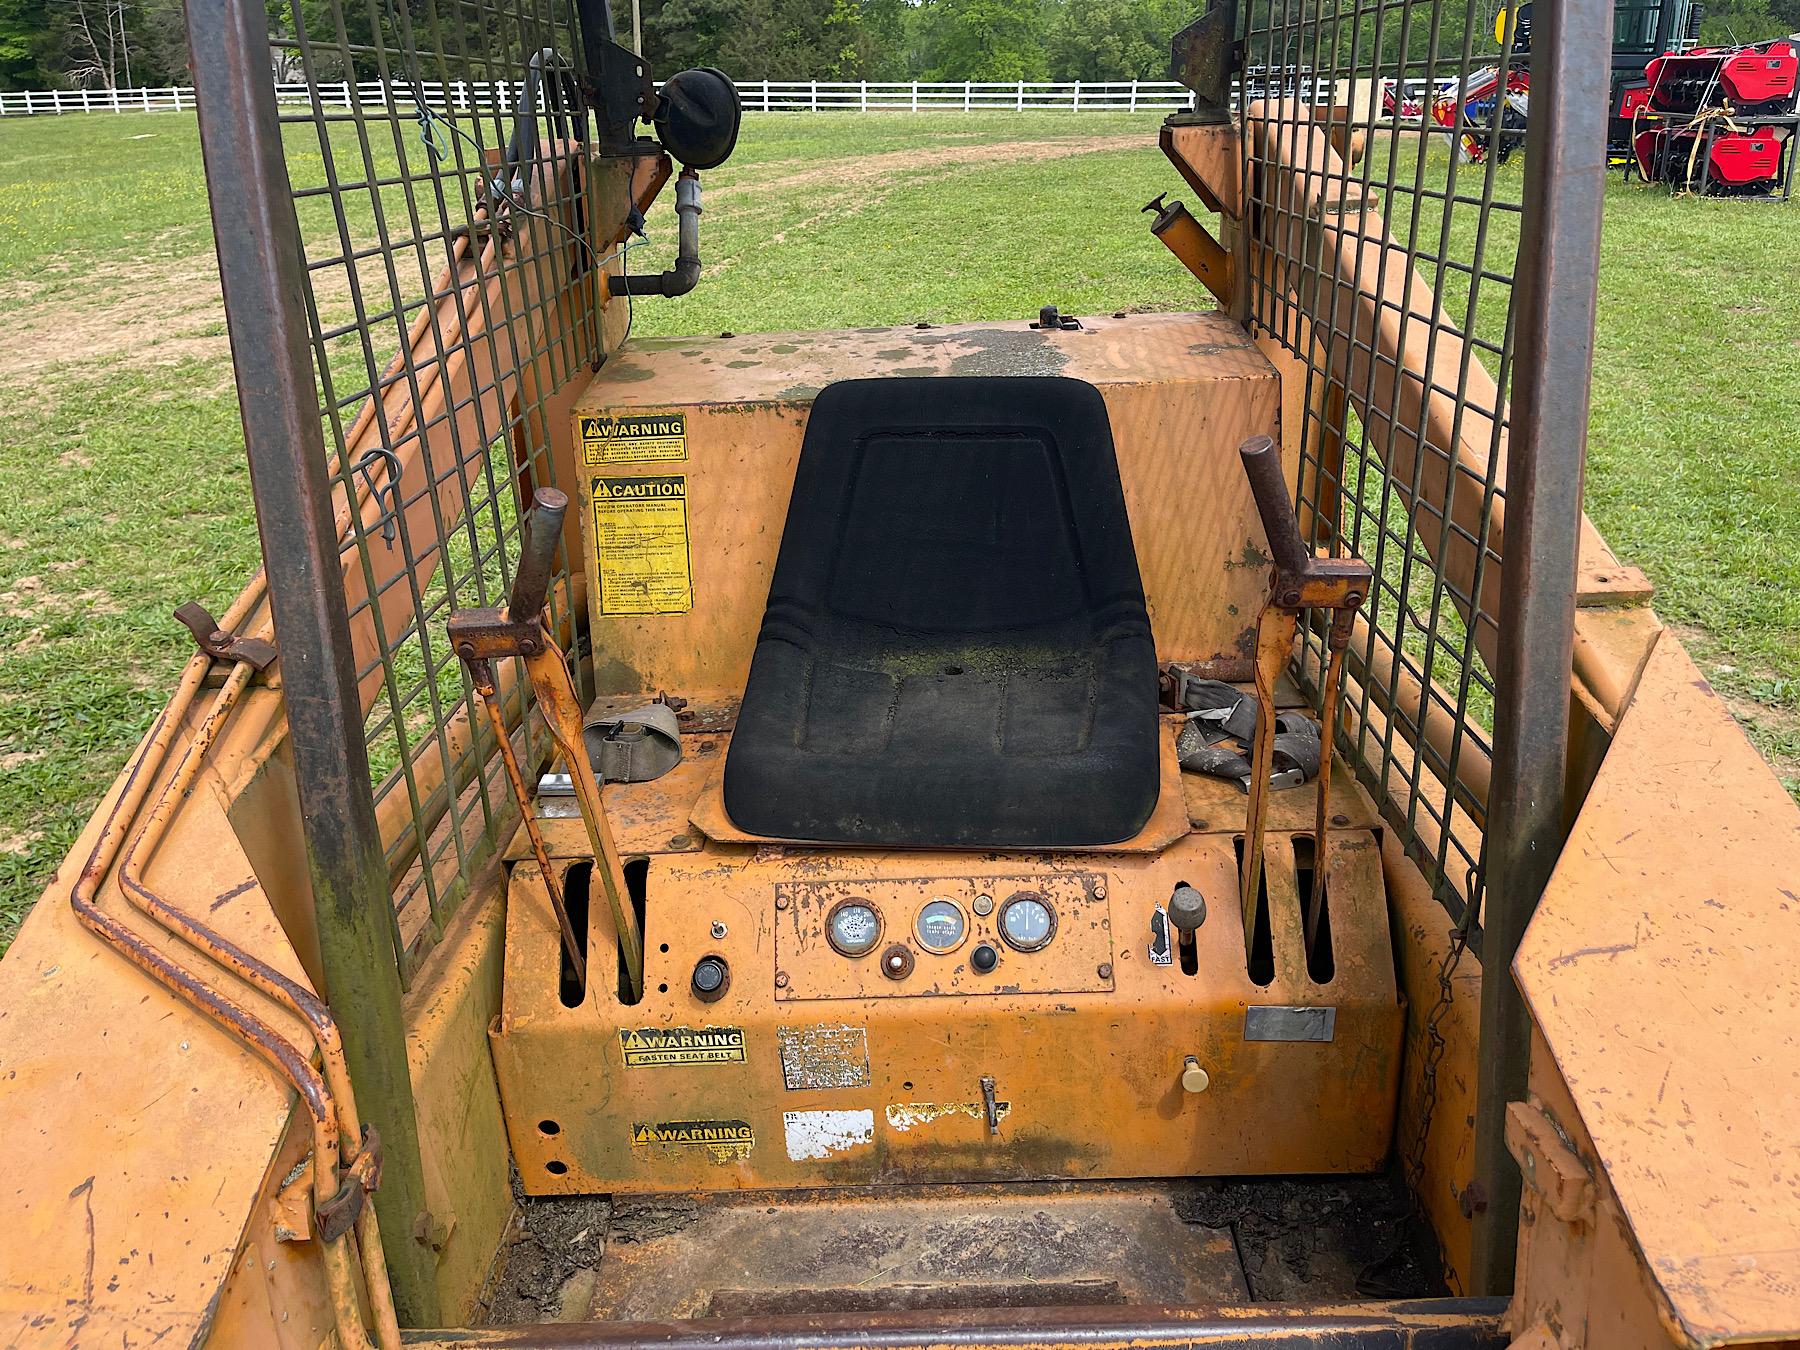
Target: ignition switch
column 712, row 977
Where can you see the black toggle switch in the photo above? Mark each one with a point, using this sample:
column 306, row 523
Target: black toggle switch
column 711, row 977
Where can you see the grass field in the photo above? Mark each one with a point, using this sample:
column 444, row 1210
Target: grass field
column 123, row 490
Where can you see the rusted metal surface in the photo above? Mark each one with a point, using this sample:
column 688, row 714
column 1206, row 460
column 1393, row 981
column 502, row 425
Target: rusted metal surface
column 341, row 1138
column 1553, row 314
column 872, row 1251
column 217, row 643
column 1206, row 56
column 1442, row 990
column 1299, row 581
column 1440, row 1324
column 228, row 1012
column 587, row 1117
column 1661, row 970
column 483, row 635
column 262, row 275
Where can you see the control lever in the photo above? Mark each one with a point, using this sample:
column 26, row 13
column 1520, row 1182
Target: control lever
column 1300, row 581
column 481, row 635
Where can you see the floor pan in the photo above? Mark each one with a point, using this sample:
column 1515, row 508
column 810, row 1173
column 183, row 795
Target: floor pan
column 897, row 1250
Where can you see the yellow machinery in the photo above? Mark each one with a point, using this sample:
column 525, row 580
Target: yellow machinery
column 810, row 839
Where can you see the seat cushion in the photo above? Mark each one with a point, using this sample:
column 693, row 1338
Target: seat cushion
column 955, row 650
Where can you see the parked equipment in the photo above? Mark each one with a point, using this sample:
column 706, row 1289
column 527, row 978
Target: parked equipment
column 1719, row 119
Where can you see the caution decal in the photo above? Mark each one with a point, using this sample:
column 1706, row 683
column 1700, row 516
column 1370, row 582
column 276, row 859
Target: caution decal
column 640, row 543
column 653, row 1047
column 723, row 1140
column 633, row 439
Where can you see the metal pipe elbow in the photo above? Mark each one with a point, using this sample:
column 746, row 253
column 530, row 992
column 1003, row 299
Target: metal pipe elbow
column 685, row 274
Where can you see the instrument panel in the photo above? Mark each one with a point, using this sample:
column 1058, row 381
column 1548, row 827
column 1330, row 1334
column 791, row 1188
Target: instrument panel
column 889, row 937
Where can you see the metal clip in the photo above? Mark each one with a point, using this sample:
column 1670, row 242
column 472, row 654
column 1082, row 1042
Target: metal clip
column 390, row 512
column 220, row 645
column 362, row 1179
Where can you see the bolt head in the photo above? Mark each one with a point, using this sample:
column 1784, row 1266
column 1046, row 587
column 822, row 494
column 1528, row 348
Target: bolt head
column 781, row 902
column 1099, row 890
column 781, row 979
column 1105, row 970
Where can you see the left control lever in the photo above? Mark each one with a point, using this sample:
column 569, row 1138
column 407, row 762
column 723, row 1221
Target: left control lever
column 519, row 630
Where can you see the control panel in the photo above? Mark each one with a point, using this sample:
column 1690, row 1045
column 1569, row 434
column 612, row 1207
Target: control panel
column 886, row 937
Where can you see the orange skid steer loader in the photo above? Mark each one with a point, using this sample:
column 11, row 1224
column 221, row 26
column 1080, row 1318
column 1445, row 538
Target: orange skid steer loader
column 1161, row 830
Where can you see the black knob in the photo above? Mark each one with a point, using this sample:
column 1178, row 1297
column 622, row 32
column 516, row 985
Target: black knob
column 984, row 958
column 711, row 976
column 1187, row 908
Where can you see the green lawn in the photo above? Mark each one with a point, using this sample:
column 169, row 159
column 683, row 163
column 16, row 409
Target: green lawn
column 123, row 491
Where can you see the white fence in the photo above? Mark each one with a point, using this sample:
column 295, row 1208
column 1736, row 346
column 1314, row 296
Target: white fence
column 758, row 96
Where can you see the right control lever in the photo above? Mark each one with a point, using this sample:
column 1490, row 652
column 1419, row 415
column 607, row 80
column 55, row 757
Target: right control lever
column 1301, row 581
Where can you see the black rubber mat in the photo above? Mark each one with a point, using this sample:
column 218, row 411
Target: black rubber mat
column 955, row 651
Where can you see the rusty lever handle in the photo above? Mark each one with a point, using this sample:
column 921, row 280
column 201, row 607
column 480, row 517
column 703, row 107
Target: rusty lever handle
column 537, row 555
column 1301, row 581
column 1262, row 466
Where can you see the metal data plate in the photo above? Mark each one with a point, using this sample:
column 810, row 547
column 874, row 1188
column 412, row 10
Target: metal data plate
column 1077, row 958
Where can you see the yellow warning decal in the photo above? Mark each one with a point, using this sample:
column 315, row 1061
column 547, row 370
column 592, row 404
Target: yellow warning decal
column 634, row 438
column 653, row 1047
column 724, row 1140
column 641, row 545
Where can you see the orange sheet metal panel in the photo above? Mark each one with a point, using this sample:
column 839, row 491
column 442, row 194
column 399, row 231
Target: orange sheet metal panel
column 806, row 1074
column 1663, row 969
column 694, row 441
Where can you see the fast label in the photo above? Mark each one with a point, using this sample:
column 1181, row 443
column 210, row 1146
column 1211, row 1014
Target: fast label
column 641, row 545
column 723, row 1140
column 633, row 439
column 654, row 1047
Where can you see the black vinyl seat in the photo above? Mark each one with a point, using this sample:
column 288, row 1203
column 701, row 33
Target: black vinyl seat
column 955, row 651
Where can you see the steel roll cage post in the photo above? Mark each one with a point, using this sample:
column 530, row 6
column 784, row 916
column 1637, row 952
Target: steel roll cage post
column 260, row 268
column 1565, row 178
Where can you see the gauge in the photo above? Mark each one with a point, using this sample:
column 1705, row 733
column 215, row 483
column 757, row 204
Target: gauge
column 941, row 926
column 1026, row 921
column 853, row 927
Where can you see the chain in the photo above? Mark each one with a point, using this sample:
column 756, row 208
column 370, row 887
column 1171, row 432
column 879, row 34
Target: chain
column 1414, row 1162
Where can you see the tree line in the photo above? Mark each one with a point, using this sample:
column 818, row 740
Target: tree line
column 121, row 43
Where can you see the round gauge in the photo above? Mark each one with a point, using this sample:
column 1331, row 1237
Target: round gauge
column 941, row 926
column 1027, row 922
column 853, row 927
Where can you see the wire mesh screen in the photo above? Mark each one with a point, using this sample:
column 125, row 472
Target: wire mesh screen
column 437, row 171
column 1383, row 226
